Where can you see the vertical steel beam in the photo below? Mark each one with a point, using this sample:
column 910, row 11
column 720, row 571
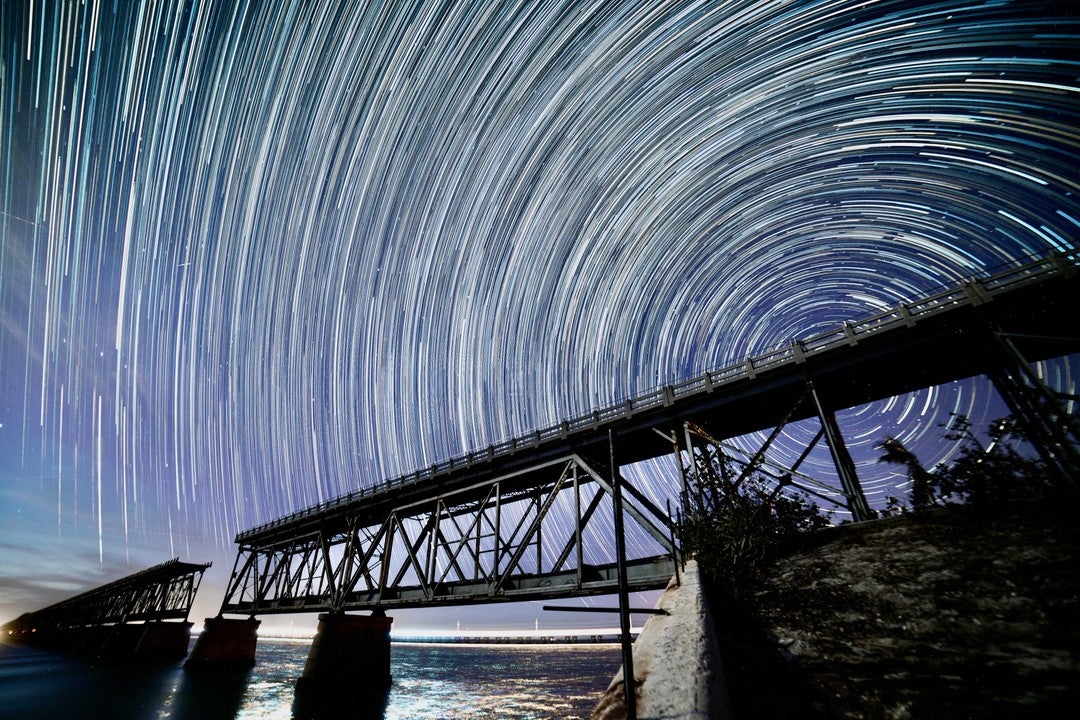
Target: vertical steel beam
column 498, row 529
column 433, row 543
column 691, row 467
column 674, row 546
column 388, row 546
column 629, row 681
column 328, row 570
column 540, row 537
column 479, row 526
column 676, row 450
column 577, row 524
column 575, row 539
column 845, row 466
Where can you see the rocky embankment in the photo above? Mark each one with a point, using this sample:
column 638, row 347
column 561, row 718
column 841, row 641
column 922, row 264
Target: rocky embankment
column 953, row 614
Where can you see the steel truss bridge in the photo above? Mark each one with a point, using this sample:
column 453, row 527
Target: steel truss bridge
column 533, row 517
column 163, row 592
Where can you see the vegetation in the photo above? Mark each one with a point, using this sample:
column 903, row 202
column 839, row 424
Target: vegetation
column 922, row 494
column 994, row 474
column 737, row 520
column 1001, row 472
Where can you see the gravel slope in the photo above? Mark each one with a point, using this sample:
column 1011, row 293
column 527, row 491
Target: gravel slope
column 954, row 614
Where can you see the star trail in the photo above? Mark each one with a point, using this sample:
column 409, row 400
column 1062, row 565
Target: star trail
column 257, row 255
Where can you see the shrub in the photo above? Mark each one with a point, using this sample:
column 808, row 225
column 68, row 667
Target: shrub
column 995, row 474
column 736, row 523
column 922, row 493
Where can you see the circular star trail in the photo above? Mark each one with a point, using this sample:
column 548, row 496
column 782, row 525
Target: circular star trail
column 256, row 255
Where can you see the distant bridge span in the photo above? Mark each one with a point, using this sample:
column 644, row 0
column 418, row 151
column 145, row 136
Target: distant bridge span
column 529, row 518
column 142, row 615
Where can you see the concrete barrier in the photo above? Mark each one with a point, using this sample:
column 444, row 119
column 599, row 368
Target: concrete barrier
column 677, row 666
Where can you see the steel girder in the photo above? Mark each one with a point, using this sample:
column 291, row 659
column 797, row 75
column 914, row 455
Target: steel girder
column 493, row 541
column 861, row 361
column 1052, row 429
column 393, row 543
column 696, row 439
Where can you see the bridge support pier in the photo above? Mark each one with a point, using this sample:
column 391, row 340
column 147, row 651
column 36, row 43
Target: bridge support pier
column 153, row 640
column 350, row 653
column 225, row 641
column 164, row 640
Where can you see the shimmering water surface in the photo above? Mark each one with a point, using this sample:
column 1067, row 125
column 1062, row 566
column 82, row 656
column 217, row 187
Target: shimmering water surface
column 430, row 681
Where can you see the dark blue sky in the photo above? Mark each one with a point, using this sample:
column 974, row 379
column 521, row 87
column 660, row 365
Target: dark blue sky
column 256, row 255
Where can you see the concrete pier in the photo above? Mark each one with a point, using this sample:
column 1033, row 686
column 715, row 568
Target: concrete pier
column 225, row 641
column 164, row 640
column 154, row 640
column 677, row 665
column 349, row 651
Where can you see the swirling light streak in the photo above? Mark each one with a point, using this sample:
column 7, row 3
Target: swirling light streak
column 258, row 255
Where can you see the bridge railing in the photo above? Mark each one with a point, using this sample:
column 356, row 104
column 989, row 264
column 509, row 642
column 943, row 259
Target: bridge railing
column 969, row 292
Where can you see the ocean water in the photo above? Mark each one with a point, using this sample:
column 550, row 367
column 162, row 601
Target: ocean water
column 436, row 681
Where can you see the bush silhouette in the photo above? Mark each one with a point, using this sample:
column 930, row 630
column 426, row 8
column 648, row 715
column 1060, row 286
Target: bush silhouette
column 736, row 521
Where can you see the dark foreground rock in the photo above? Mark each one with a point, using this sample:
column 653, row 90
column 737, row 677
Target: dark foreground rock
column 954, row 614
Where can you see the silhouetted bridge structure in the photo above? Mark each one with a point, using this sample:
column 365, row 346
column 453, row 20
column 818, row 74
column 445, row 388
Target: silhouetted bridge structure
column 144, row 615
column 535, row 517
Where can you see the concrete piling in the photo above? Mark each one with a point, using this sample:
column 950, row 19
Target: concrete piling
column 350, row 651
column 225, row 641
column 348, row 668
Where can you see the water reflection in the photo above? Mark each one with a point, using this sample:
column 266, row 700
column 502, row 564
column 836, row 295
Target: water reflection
column 429, row 683
column 217, row 693
column 41, row 683
column 325, row 702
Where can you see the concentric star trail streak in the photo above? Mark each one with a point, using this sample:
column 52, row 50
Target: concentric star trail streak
column 257, row 255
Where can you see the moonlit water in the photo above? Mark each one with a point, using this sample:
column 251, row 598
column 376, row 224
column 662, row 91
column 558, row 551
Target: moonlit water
column 512, row 682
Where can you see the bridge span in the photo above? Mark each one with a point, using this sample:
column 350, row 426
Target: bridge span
column 478, row 528
column 142, row 615
column 534, row 517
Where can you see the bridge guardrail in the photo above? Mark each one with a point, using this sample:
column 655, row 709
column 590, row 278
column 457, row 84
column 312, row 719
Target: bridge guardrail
column 968, row 292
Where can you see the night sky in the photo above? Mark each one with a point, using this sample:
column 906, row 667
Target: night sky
column 257, row 255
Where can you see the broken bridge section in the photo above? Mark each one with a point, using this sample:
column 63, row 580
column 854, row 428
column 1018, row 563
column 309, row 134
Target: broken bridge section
column 141, row 615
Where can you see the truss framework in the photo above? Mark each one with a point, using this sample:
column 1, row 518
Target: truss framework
column 692, row 450
column 162, row 592
column 497, row 540
column 1053, row 430
column 698, row 439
